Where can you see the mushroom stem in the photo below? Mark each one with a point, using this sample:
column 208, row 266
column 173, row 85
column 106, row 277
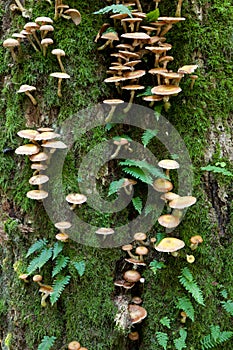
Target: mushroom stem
column 110, row 114
column 126, row 110
column 31, row 42
column 108, row 42
column 139, row 5
column 132, row 256
column 44, row 297
column 59, row 88
column 13, row 54
column 128, row 191
column 178, row 9
column 20, row 6
column 33, row 100
column 60, row 64
column 36, row 38
column 116, row 152
column 166, row 29
column 56, row 10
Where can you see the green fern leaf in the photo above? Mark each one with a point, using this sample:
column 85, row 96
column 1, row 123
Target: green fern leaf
column 228, row 306
column 162, row 339
column 183, row 303
column 58, row 288
column 148, row 136
column 47, row 343
column 61, row 263
column 114, row 9
column 80, row 267
column 57, row 248
column 180, row 342
column 152, row 16
column 139, row 174
column 37, row 246
column 142, row 164
column 156, row 265
column 115, row 186
column 188, row 282
column 216, row 337
column 216, row 169
column 137, row 203
column 40, row 260
column 224, row 293
column 165, row 321
column 146, row 92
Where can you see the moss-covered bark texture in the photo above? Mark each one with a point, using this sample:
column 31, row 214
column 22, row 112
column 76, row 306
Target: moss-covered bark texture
column 203, row 117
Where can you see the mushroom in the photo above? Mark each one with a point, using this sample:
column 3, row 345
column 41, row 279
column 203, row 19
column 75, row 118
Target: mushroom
column 169, row 21
column 137, row 313
column 46, row 135
column 74, row 345
column 132, row 89
column 110, row 37
column 182, row 202
column 45, row 43
column 133, row 336
column 31, row 28
column 28, row 134
column 37, row 279
column 113, row 103
column 37, row 194
column 38, row 180
column 131, row 22
column 193, row 78
column 119, row 143
column 28, row 149
column 190, row 259
column 44, row 29
column 104, row 231
column 24, row 277
column 138, row 38
column 184, row 317
column 195, row 240
column 168, row 164
column 54, row 144
column 152, row 99
column 168, row 221
column 75, row 15
column 141, row 250
column 140, row 237
column 127, row 248
column 162, row 185
column 132, row 276
column 11, row 44
column 59, row 53
column 27, row 89
column 169, row 245
column 63, row 237
column 60, row 76
column 46, row 291
column 75, row 199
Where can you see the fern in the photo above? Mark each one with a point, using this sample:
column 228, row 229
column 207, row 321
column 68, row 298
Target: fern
column 180, row 342
column 162, row 339
column 228, row 306
column 142, row 164
column 47, row 343
column 40, row 260
column 216, row 169
column 37, row 246
column 148, row 136
column 183, row 303
column 80, row 267
column 146, row 92
column 156, row 265
column 165, row 321
column 188, row 282
column 216, row 337
column 58, row 288
column 115, row 186
column 152, row 16
column 57, row 248
column 61, row 263
column 114, row 9
column 137, row 203
column 139, row 174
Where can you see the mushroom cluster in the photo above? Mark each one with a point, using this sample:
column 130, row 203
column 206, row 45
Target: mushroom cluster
column 139, row 43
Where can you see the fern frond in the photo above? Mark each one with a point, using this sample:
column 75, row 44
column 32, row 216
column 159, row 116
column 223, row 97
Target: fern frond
column 156, row 265
column 57, row 248
column 40, row 260
column 228, row 306
column 224, row 293
column 165, row 321
column 138, row 174
column 216, row 337
column 152, row 16
column 180, row 342
column 61, row 263
column 142, row 164
column 188, row 282
column 162, row 339
column 146, row 92
column 216, row 169
column 58, row 288
column 37, row 246
column 137, row 203
column 46, row 343
column 114, row 9
column 183, row 303
column 80, row 267
column 148, row 135
column 115, row 186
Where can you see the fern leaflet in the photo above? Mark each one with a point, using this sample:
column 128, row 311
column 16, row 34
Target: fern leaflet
column 216, row 337
column 58, row 288
column 46, row 343
column 142, row 164
column 148, row 135
column 80, row 267
column 57, row 248
column 40, row 260
column 216, row 169
column 37, row 246
column 139, row 174
column 165, row 321
column 188, row 282
column 137, row 203
column 162, row 339
column 156, row 265
column 228, row 306
column 114, row 9
column 61, row 263
column 115, row 186
column 180, row 342
column 183, row 303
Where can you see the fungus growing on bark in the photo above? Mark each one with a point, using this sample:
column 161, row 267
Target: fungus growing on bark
column 27, row 90
column 74, row 345
column 38, row 180
column 60, row 76
column 28, row 134
column 195, row 240
column 76, row 199
column 169, row 245
column 110, row 37
column 28, row 149
column 141, row 251
column 113, row 103
column 162, row 185
column 59, row 53
column 11, row 44
column 168, row 164
column 46, row 291
column 45, row 43
column 132, row 276
column 182, row 202
column 75, row 15
column 168, row 221
column 137, row 313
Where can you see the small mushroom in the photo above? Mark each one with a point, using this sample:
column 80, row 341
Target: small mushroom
column 184, row 317
column 27, row 90
column 137, row 313
column 169, row 245
column 75, row 15
column 195, row 240
column 46, row 291
column 193, row 78
column 11, row 44
column 190, row 259
column 59, row 53
column 132, row 276
column 24, row 277
column 168, row 221
column 74, row 345
column 60, row 76
column 45, row 43
column 37, row 194
column 75, row 199
column 113, row 103
column 168, row 164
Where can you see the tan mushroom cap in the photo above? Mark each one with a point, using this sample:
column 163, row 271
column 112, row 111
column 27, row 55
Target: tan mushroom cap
column 25, row 88
column 169, row 196
column 37, row 194
column 119, row 16
column 133, row 87
column 18, row 35
column 122, row 141
column 46, row 27
column 76, row 198
column 46, row 289
column 128, row 182
column 44, row 20
column 152, row 98
column 60, row 75
column 63, row 225
column 75, row 15
column 132, row 276
column 132, row 63
column 168, row 164
column 23, row 276
column 119, row 68
column 141, row 250
column 38, row 166
column 54, row 144
column 137, row 300
column 58, row 52
column 74, row 345
column 168, row 220
column 10, row 43
column 135, row 74
column 113, row 102
column 43, row 129
column 46, row 41
column 137, row 36
column 47, row 135
column 38, row 179
column 114, row 79
column 135, row 262
column 172, row 75
column 104, row 231
column 137, row 313
column 110, row 36
column 129, row 54
column 162, row 185
column 171, row 19
column 28, row 149
column 28, row 134
column 169, row 245
column 196, row 239
column 127, row 247
column 158, row 49
column 63, row 237
column 124, row 47
column 188, row 69
column 139, row 236
column 37, row 278
column 182, row 202
column 133, row 336
column 138, row 14
column 166, row 90
column 157, row 70
column 39, row 157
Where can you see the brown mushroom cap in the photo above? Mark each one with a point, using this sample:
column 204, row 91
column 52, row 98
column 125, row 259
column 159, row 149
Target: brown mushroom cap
column 38, row 166
column 54, row 144
column 28, row 134
column 196, row 239
column 188, row 69
column 132, row 276
column 135, row 262
column 168, row 164
column 133, row 87
column 63, row 237
column 37, row 194
column 162, row 185
column 169, row 245
column 139, row 236
column 135, row 74
column 10, row 43
column 182, row 202
column 28, row 149
column 58, row 52
column 74, row 345
column 104, row 231
column 168, row 220
column 76, row 198
column 37, row 278
column 110, row 36
column 60, row 75
column 171, row 19
column 137, row 313
column 122, row 141
column 63, row 225
column 46, row 135
column 43, row 129
column 38, row 179
column 46, row 41
column 75, row 15
column 23, row 277
column 166, row 90
column 46, row 289
column 152, row 98
column 114, row 79
column 137, row 300
column 133, row 336
column 169, row 196
column 39, row 157
column 127, row 247
column 113, row 102
column 44, row 20
column 141, row 250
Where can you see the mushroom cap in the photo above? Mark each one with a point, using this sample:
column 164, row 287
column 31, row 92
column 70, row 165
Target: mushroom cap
column 25, row 88
column 190, row 258
column 37, row 194
column 129, row 54
column 39, row 157
column 63, row 225
column 28, row 134
column 124, row 46
column 139, row 236
column 127, row 247
column 132, row 20
column 23, row 276
column 46, row 41
column 152, row 98
column 114, row 79
column 110, row 36
column 135, row 261
column 196, row 239
column 38, row 179
column 46, row 135
column 38, row 166
column 28, row 149
column 141, row 250
column 182, row 202
column 137, row 36
column 162, row 185
column 105, row 231
column 137, row 313
column 172, row 75
column 74, row 345
column 132, row 276
column 138, row 14
column 30, row 26
column 75, row 15
column 60, row 75
column 168, row 164
column 166, row 59
column 168, row 220
column 44, row 20
column 128, row 182
column 166, row 90
column 46, row 289
column 171, row 19
column 63, row 237
column 135, row 74
column 43, row 129
column 132, row 63
column 157, row 49
column 58, row 52
column 37, row 278
column 188, row 69
column 18, row 35
column 119, row 68
column 121, row 142
column 10, row 43
column 133, row 336
column 169, row 245
column 113, row 102
column 54, row 144
column 47, row 27
column 76, row 198
column 133, row 87
column 170, row 196
column 157, row 70
column 119, row 15
column 137, row 300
